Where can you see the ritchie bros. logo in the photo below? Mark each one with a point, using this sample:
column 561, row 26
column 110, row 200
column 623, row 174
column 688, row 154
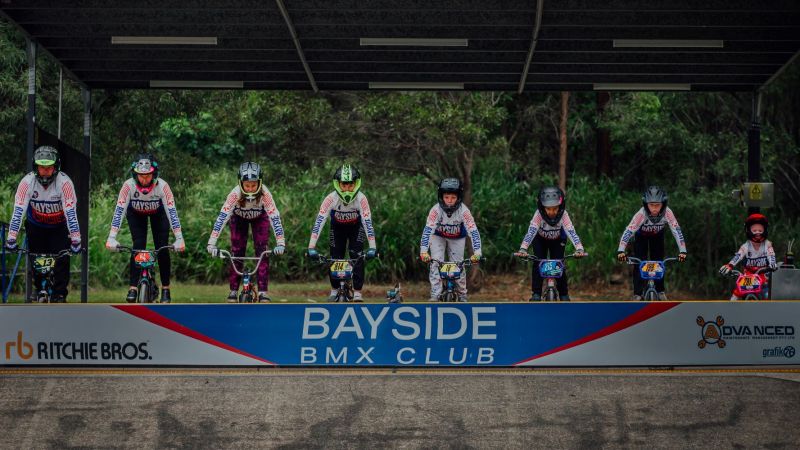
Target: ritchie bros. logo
column 20, row 349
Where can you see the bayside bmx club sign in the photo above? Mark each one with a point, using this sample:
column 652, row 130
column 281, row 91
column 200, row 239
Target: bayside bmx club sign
column 432, row 335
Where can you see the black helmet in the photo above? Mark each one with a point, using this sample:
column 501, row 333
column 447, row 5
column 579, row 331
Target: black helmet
column 46, row 156
column 347, row 174
column 249, row 171
column 654, row 194
column 549, row 197
column 753, row 219
column 144, row 163
column 450, row 186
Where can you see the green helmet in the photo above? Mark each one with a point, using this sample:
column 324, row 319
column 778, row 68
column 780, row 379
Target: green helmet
column 347, row 174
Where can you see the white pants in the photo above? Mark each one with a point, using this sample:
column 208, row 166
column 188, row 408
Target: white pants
column 455, row 252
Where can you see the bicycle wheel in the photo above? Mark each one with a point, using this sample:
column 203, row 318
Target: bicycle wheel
column 650, row 295
column 143, row 296
column 449, row 297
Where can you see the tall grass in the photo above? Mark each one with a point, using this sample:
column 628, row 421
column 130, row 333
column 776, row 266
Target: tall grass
column 503, row 206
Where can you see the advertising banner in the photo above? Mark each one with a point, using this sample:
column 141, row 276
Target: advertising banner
column 465, row 334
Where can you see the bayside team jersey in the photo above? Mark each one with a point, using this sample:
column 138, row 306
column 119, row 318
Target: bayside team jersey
column 457, row 226
column 641, row 224
column 252, row 209
column 755, row 259
column 147, row 204
column 47, row 207
column 341, row 214
column 539, row 226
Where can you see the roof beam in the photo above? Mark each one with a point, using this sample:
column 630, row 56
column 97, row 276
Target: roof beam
column 780, row 71
column 296, row 41
column 534, row 41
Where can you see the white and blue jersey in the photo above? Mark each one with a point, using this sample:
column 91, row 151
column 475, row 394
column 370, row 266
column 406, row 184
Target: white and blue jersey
column 643, row 225
column 46, row 206
column 343, row 215
column 455, row 226
column 249, row 210
column 560, row 231
column 146, row 202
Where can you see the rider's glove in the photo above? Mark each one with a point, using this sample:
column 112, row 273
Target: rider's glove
column 75, row 247
column 179, row 245
column 11, row 244
column 580, row 253
column 212, row 250
column 312, row 253
column 425, row 257
column 372, row 253
column 726, row 269
column 682, row 256
column 773, row 266
column 621, row 256
column 278, row 250
column 475, row 258
column 112, row 244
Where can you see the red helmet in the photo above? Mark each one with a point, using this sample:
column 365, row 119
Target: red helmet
column 753, row 219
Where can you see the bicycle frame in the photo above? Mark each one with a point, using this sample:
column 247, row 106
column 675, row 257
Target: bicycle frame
column 342, row 270
column 248, row 293
column 651, row 271
column 550, row 270
column 145, row 260
column 450, row 272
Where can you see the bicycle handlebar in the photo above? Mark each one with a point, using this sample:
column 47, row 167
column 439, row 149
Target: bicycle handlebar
column 462, row 263
column 323, row 259
column 223, row 254
column 534, row 258
column 737, row 273
column 634, row 260
column 133, row 250
column 59, row 254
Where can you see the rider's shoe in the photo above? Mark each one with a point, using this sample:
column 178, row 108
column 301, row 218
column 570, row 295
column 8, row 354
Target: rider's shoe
column 41, row 297
column 334, row 295
column 58, row 298
column 535, row 298
column 462, row 298
column 232, row 297
column 564, row 298
column 636, row 298
column 263, row 298
column 132, row 293
column 662, row 296
column 165, row 296
column 433, row 299
column 357, row 297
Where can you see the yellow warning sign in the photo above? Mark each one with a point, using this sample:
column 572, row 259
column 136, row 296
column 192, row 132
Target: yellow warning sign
column 755, row 192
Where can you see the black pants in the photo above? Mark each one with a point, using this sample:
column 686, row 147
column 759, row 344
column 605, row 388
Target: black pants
column 160, row 226
column 50, row 240
column 541, row 248
column 340, row 237
column 641, row 245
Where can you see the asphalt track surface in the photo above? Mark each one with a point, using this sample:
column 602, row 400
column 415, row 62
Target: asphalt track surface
column 385, row 408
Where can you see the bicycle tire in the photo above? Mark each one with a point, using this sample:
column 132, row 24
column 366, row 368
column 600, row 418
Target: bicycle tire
column 143, row 295
column 650, row 296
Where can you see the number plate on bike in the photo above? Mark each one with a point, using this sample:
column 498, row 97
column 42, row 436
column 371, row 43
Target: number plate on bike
column 749, row 284
column 651, row 270
column 43, row 264
column 341, row 270
column 551, row 268
column 449, row 270
column 144, row 259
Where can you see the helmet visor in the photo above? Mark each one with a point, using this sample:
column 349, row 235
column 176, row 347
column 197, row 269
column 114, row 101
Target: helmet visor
column 144, row 166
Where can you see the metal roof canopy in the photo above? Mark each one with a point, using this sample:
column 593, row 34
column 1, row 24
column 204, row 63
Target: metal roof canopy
column 502, row 45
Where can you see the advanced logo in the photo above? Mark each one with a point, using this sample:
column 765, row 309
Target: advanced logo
column 711, row 332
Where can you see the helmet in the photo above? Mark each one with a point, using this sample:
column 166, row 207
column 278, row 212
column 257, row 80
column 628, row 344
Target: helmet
column 550, row 196
column 249, row 171
column 347, row 174
column 654, row 194
column 144, row 163
column 46, row 156
column 753, row 219
column 450, row 186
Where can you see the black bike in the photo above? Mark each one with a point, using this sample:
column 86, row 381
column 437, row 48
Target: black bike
column 43, row 264
column 342, row 270
column 145, row 261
